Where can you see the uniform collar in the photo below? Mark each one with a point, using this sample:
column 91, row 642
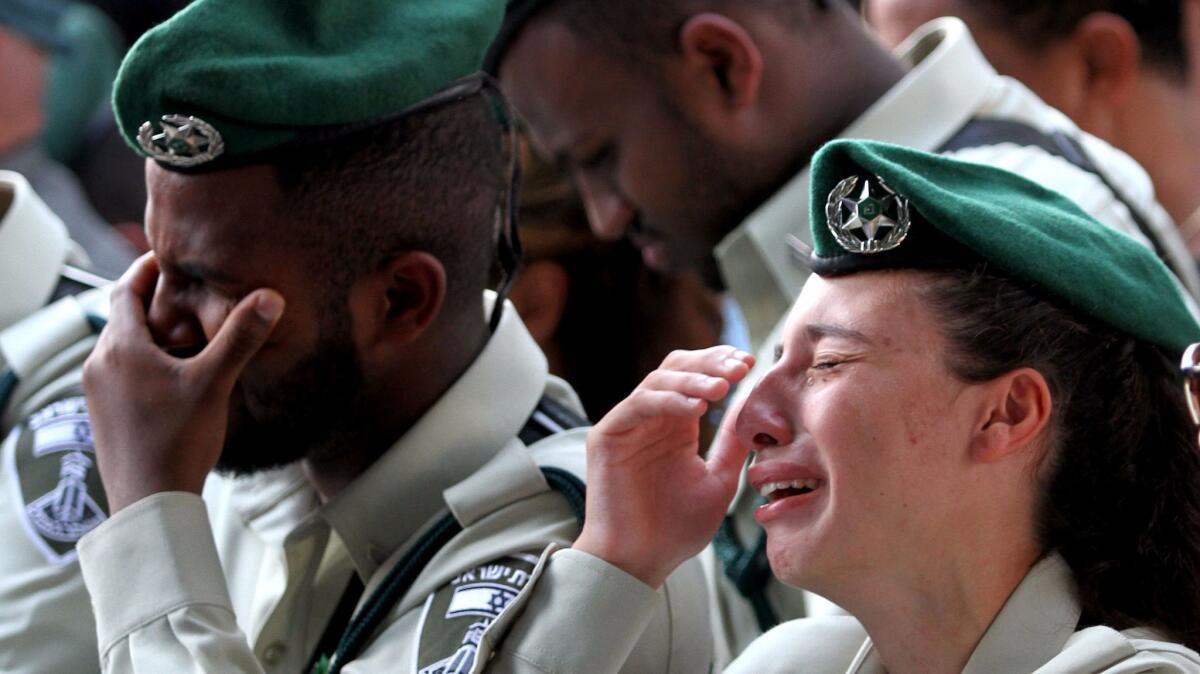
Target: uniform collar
column 33, row 247
column 948, row 81
column 1033, row 627
column 1035, row 623
column 485, row 409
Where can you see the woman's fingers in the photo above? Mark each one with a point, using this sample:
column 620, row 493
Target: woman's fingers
column 708, row 374
column 682, row 387
column 728, row 455
column 645, row 404
column 691, row 384
column 718, row 361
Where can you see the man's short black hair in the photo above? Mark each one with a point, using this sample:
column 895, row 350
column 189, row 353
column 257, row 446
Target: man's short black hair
column 641, row 28
column 1158, row 23
column 429, row 181
column 636, row 29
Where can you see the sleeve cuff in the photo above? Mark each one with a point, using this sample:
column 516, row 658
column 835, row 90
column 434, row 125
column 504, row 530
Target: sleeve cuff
column 150, row 559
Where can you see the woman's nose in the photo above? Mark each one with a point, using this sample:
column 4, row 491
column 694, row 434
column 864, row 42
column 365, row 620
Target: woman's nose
column 762, row 422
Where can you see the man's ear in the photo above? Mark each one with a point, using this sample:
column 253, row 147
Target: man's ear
column 1017, row 410
column 720, row 61
column 403, row 297
column 1108, row 47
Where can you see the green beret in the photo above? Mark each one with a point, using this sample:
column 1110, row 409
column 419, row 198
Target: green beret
column 231, row 80
column 880, row 206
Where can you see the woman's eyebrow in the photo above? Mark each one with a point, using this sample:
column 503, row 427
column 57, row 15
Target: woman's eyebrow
column 816, row 331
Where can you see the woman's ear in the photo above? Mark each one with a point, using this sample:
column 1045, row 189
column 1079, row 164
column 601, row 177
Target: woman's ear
column 1017, row 410
column 721, row 63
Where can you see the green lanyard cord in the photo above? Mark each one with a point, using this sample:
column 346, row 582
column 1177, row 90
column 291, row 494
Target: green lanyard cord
column 748, row 569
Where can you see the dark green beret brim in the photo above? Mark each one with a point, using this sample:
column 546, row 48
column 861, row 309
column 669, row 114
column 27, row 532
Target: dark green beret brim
column 1034, row 234
column 263, row 72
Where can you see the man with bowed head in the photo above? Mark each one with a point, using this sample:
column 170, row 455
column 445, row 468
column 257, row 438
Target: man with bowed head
column 329, row 190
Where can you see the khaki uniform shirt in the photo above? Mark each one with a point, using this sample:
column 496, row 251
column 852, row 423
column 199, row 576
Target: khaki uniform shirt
column 248, row 583
column 1034, row 632
column 50, row 491
column 949, row 84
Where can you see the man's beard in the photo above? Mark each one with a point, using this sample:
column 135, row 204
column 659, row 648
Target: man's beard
column 311, row 411
column 714, row 203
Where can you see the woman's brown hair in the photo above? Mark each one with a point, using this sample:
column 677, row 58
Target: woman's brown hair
column 1120, row 497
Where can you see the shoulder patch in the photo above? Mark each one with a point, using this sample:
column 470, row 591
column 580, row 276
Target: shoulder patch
column 58, row 490
column 456, row 615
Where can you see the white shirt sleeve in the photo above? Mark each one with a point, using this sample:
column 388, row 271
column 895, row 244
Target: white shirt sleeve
column 159, row 593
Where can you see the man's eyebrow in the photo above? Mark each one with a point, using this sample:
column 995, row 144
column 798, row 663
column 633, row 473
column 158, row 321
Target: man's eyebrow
column 199, row 270
column 816, row 331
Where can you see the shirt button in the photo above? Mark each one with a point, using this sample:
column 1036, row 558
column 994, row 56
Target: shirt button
column 274, row 653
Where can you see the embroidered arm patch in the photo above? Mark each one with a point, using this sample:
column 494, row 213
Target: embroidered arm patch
column 456, row 615
column 58, row 489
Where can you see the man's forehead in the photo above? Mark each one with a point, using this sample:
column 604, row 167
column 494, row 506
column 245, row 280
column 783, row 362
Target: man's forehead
column 210, row 210
column 246, row 187
column 561, row 84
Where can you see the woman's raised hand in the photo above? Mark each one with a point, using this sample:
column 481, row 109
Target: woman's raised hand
column 652, row 500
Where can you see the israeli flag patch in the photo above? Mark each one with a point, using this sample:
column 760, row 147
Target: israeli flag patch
column 455, row 616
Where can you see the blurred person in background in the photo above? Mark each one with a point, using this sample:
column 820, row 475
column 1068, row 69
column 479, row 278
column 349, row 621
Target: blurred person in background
column 1124, row 70
column 603, row 319
column 58, row 59
column 39, row 263
column 111, row 175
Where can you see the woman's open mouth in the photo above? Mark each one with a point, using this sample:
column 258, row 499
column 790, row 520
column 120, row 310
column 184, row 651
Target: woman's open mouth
column 777, row 491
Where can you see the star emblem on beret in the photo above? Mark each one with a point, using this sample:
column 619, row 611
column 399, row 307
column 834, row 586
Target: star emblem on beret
column 183, row 141
column 874, row 221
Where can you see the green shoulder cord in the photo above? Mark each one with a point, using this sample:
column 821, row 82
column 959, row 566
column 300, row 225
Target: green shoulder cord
column 748, row 569
column 364, row 624
column 8, row 383
column 548, row 418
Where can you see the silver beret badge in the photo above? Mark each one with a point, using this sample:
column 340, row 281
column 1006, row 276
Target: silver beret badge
column 875, row 221
column 183, row 141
